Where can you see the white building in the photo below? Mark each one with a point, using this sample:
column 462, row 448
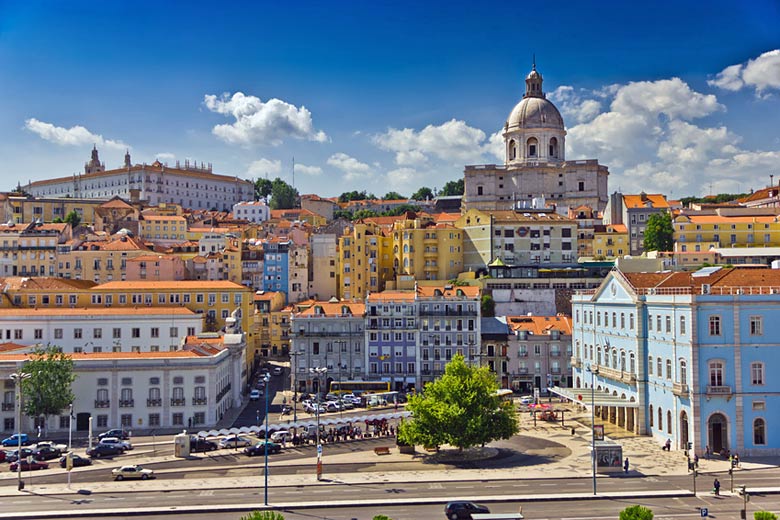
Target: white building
column 256, row 211
column 189, row 185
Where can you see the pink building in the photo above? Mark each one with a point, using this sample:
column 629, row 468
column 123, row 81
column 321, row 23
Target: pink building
column 156, row 267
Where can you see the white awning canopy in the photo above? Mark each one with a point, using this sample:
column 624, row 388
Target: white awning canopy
column 599, row 398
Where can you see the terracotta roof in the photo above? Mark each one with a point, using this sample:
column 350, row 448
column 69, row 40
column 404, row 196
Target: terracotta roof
column 329, row 309
column 540, row 325
column 451, row 291
column 723, row 277
column 267, row 295
column 16, row 283
column 194, row 285
column 8, row 347
column 116, row 203
column 656, row 200
column 163, row 217
column 502, row 216
column 717, row 219
column 85, row 312
column 391, row 296
column 88, row 356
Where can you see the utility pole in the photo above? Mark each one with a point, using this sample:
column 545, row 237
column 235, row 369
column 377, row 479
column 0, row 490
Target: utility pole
column 745, row 500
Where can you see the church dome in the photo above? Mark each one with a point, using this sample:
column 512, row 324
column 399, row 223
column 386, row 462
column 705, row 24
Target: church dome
column 535, row 112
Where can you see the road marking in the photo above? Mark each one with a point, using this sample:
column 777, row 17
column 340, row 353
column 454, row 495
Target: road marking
column 206, row 493
column 436, row 485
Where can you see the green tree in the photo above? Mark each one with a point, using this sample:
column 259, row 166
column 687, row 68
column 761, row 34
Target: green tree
column 283, row 196
column 488, row 306
column 452, row 188
column 659, row 233
column 393, row 195
column 460, row 408
column 423, row 193
column 382, row 517
column 263, row 515
column 764, row 515
column 263, row 188
column 73, row 218
column 48, row 389
column 636, row 513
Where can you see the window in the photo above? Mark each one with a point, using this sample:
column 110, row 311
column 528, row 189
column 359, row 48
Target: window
column 659, row 365
column 660, row 419
column 716, row 373
column 683, row 372
column 136, row 332
column 154, row 419
column 174, row 332
column 756, row 326
column 97, row 333
column 669, row 422
column 714, row 325
column 155, row 332
column 759, row 431
column 57, row 333
column 757, row 373
column 682, row 324
column 650, row 365
column 631, row 321
column 669, row 369
column 76, row 333
column 651, row 415
column 668, row 324
column 177, row 419
column 117, row 333
column 102, row 421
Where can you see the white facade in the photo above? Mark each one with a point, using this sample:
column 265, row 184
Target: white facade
column 256, row 211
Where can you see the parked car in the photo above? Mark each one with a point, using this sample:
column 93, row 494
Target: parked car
column 105, row 450
column 119, row 433
column 463, row 510
column 235, row 441
column 29, row 466
column 332, row 406
column 2, row 456
column 278, row 371
column 51, row 444
column 255, row 395
column 46, row 453
column 13, row 440
column 527, row 399
column 13, row 456
column 132, row 472
column 281, row 435
column 125, row 445
column 78, row 460
column 352, row 398
column 345, row 404
column 260, row 447
column 199, row 444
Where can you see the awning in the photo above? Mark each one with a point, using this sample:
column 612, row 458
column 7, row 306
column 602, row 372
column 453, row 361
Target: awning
column 599, row 397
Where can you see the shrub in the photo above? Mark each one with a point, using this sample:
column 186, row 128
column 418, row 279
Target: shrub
column 636, row 513
column 764, row 515
column 263, row 515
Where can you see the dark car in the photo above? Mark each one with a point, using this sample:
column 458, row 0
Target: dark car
column 12, row 456
column 119, row 433
column 105, row 450
column 2, row 456
column 259, row 448
column 198, row 444
column 30, row 466
column 463, row 510
column 78, row 460
column 46, row 453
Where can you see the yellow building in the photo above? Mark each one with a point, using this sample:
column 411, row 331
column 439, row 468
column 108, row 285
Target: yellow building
column 31, row 249
column 698, row 233
column 611, row 241
column 163, row 228
column 99, row 260
column 30, row 209
column 426, row 250
column 267, row 303
column 365, row 262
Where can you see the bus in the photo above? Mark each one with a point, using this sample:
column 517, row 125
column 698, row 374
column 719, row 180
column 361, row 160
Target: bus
column 504, row 394
column 359, row 387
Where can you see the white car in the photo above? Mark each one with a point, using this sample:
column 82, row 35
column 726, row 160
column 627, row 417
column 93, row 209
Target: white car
column 132, row 472
column 125, row 445
column 281, row 436
column 235, row 441
column 527, row 399
column 277, row 371
column 255, row 395
column 332, row 406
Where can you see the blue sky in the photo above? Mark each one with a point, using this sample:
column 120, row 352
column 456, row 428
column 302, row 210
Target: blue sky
column 680, row 97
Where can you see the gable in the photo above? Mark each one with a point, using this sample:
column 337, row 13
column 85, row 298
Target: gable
column 613, row 290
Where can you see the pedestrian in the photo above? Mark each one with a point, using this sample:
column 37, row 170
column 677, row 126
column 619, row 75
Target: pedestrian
column 572, row 431
column 668, row 445
column 625, row 465
column 736, row 460
column 716, row 487
column 707, row 452
column 696, row 461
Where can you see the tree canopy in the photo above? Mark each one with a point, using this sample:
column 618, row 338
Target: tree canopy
column 488, row 306
column 423, row 193
column 393, row 195
column 263, row 188
column 73, row 218
column 356, row 195
column 48, row 389
column 659, row 233
column 283, row 196
column 460, row 408
column 452, row 188
column 636, row 513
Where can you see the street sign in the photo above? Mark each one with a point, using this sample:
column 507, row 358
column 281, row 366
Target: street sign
column 319, row 450
column 705, row 512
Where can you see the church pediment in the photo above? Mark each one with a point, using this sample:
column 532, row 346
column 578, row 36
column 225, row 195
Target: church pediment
column 614, row 290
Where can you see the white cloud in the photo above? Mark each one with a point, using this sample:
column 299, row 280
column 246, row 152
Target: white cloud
column 164, row 156
column 452, row 141
column 671, row 97
column 73, row 136
column 263, row 167
column 308, row 170
column 261, row 123
column 351, row 167
column 403, row 180
column 573, row 106
column 762, row 73
column 495, row 145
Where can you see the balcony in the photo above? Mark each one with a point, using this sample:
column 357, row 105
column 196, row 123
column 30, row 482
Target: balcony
column 152, row 403
column 126, row 403
column 576, row 362
column 628, row 377
column 681, row 389
column 199, row 401
column 522, row 354
column 178, row 402
column 102, row 404
column 7, row 407
column 718, row 390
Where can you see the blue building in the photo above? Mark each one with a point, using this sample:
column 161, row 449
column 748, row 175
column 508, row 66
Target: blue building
column 682, row 356
column 276, row 265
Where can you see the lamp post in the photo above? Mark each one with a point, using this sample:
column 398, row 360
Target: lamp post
column 267, row 378
column 17, row 377
column 593, row 373
column 293, row 371
column 318, row 371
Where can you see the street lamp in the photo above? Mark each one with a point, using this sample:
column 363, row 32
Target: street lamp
column 319, row 371
column 293, row 371
column 593, row 373
column 17, row 377
column 266, row 378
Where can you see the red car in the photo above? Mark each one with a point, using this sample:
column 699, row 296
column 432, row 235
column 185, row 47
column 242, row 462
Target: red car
column 29, row 466
column 2, row 456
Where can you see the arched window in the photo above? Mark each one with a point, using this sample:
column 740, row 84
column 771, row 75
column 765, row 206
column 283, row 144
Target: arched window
column 651, row 416
column 682, row 324
column 622, row 320
column 683, row 372
column 622, row 360
column 598, row 355
column 512, row 150
column 154, row 393
column 631, row 321
column 632, row 362
column 650, row 366
column 660, row 419
column 532, row 147
column 614, row 320
column 759, row 432
column 614, row 358
column 553, row 152
column 669, row 422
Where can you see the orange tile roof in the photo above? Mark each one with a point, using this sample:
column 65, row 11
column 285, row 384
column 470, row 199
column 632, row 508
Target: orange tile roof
column 193, row 285
column 7, row 347
column 657, row 200
column 391, row 295
column 540, row 325
column 116, row 203
column 724, row 277
column 329, row 309
column 163, row 217
column 468, row 291
column 16, row 283
column 502, row 216
column 717, row 219
column 267, row 295
column 617, row 228
column 86, row 312
column 91, row 356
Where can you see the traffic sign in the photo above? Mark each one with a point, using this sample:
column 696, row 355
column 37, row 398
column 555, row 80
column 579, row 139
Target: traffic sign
column 319, row 449
column 705, row 512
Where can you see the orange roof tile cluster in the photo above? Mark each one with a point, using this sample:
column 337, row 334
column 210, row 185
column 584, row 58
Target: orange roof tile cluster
column 724, row 277
column 504, row 216
column 182, row 285
column 391, row 295
column 539, row 325
column 718, row 219
column 8, row 347
column 44, row 283
column 116, row 203
column 448, row 291
column 266, row 295
column 111, row 356
column 653, row 200
column 163, row 218
column 86, row 312
column 617, row 228
column 333, row 309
